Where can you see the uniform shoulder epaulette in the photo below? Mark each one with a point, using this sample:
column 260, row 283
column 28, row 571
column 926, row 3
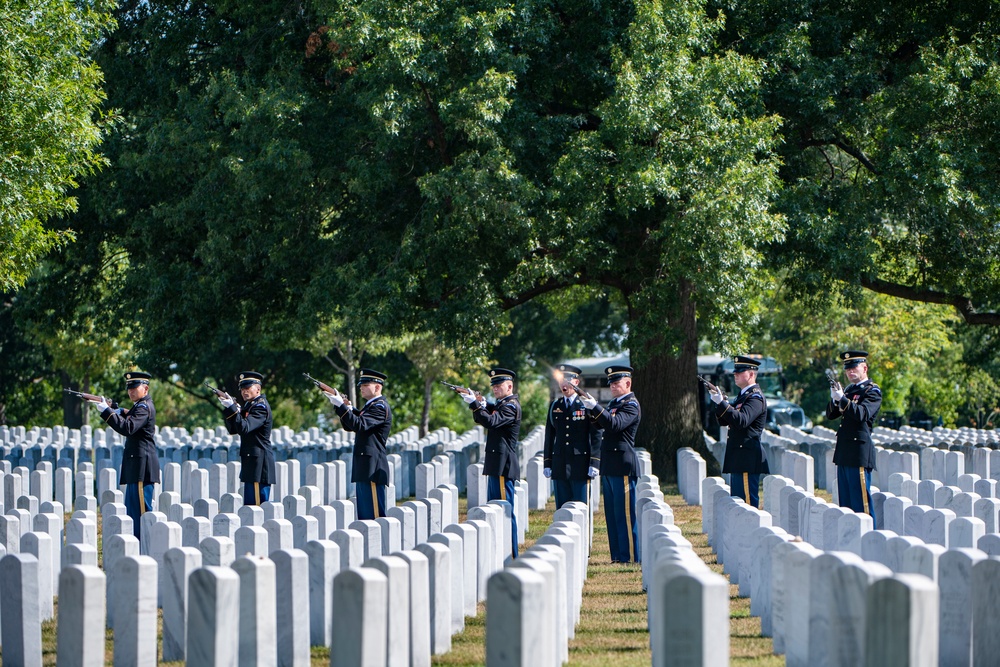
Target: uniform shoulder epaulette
column 877, row 389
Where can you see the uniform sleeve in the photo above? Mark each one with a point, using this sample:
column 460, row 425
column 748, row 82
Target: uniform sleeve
column 362, row 420
column 625, row 416
column 745, row 415
column 865, row 408
column 240, row 425
column 833, row 410
column 127, row 424
column 550, row 436
column 506, row 415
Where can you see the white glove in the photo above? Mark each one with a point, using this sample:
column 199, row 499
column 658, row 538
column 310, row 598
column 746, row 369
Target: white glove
column 716, row 396
column 335, row 399
column 547, row 472
column 593, row 472
column 226, row 401
column 589, row 403
column 102, row 405
column 469, row 398
column 836, row 393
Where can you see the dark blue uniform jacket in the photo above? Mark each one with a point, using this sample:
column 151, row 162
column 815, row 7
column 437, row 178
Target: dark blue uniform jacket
column 572, row 440
column 139, row 461
column 502, row 421
column 745, row 418
column 252, row 423
column 620, row 422
column 371, row 425
column 858, row 409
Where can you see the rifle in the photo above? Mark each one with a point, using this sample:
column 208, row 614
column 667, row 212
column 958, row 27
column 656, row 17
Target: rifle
column 831, row 377
column 456, row 387
column 92, row 397
column 580, row 392
column 708, row 385
column 218, row 392
column 323, row 386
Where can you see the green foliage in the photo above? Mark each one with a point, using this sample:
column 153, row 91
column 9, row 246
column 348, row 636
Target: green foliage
column 50, row 125
column 890, row 123
column 915, row 356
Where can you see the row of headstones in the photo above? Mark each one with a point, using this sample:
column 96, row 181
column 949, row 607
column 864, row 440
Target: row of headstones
column 519, row 630
column 688, row 604
column 207, row 517
column 928, row 462
column 462, row 557
column 419, row 451
column 786, row 568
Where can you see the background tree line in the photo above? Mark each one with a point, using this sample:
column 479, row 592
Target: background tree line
column 437, row 185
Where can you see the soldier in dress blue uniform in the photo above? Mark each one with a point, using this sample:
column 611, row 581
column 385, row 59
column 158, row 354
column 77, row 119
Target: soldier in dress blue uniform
column 619, row 464
column 371, row 425
column 745, row 418
column 572, row 442
column 253, row 424
column 140, row 463
column 502, row 421
column 857, row 405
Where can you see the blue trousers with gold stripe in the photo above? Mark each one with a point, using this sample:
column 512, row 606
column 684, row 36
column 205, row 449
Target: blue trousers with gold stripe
column 568, row 490
column 502, row 488
column 371, row 500
column 854, row 487
column 138, row 501
column 255, row 493
column 619, row 512
column 745, row 485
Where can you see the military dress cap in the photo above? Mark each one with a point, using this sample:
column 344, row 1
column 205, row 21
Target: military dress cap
column 498, row 375
column 741, row 363
column 134, row 379
column 248, row 378
column 368, row 375
column 615, row 373
column 569, row 372
column 852, row 358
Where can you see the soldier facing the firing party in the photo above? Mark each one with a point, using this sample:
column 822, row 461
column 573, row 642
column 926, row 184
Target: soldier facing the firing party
column 503, row 424
column 252, row 423
column 372, row 423
column 857, row 405
column 140, row 463
column 745, row 418
column 619, row 463
column 572, row 441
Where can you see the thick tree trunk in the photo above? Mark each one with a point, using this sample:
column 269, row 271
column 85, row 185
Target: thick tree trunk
column 425, row 416
column 74, row 415
column 667, row 389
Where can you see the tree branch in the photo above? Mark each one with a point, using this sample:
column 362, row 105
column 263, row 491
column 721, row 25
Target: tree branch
column 962, row 304
column 542, row 288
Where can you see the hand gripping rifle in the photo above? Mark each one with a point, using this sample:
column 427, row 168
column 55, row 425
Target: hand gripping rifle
column 91, row 397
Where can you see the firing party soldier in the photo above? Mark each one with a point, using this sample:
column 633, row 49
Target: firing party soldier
column 140, row 463
column 371, row 424
column 619, row 463
column 502, row 421
column 857, row 405
column 572, row 441
column 745, row 418
column 252, row 422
